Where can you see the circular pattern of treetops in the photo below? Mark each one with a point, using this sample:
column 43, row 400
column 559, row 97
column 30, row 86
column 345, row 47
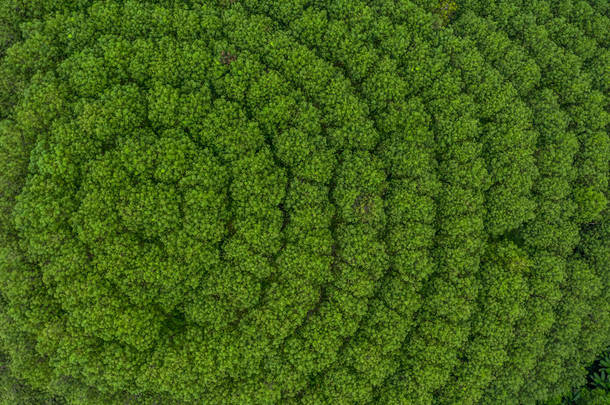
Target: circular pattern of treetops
column 312, row 202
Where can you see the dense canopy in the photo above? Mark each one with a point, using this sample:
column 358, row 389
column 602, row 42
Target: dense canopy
column 302, row 202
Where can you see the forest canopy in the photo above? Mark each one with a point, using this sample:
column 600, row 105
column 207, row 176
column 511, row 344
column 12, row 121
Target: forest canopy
column 302, row 202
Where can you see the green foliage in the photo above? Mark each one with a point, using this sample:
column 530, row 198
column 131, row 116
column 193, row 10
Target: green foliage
column 328, row 202
column 597, row 390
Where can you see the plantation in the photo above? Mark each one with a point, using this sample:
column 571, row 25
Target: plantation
column 303, row 202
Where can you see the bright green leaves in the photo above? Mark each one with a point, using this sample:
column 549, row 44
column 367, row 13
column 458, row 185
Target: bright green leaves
column 300, row 263
column 382, row 87
column 500, row 304
column 14, row 155
column 103, row 184
column 257, row 187
column 310, row 156
column 240, row 288
column 408, row 153
column 293, row 147
column 43, row 102
column 508, row 141
column 205, row 214
column 271, row 99
column 591, row 203
column 591, row 194
column 162, row 106
column 406, row 204
column 227, row 133
column 119, row 110
column 311, row 212
column 86, row 73
column 175, row 153
column 365, row 259
column 359, row 193
column 115, row 51
column 257, row 182
column 40, row 206
column 149, row 210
